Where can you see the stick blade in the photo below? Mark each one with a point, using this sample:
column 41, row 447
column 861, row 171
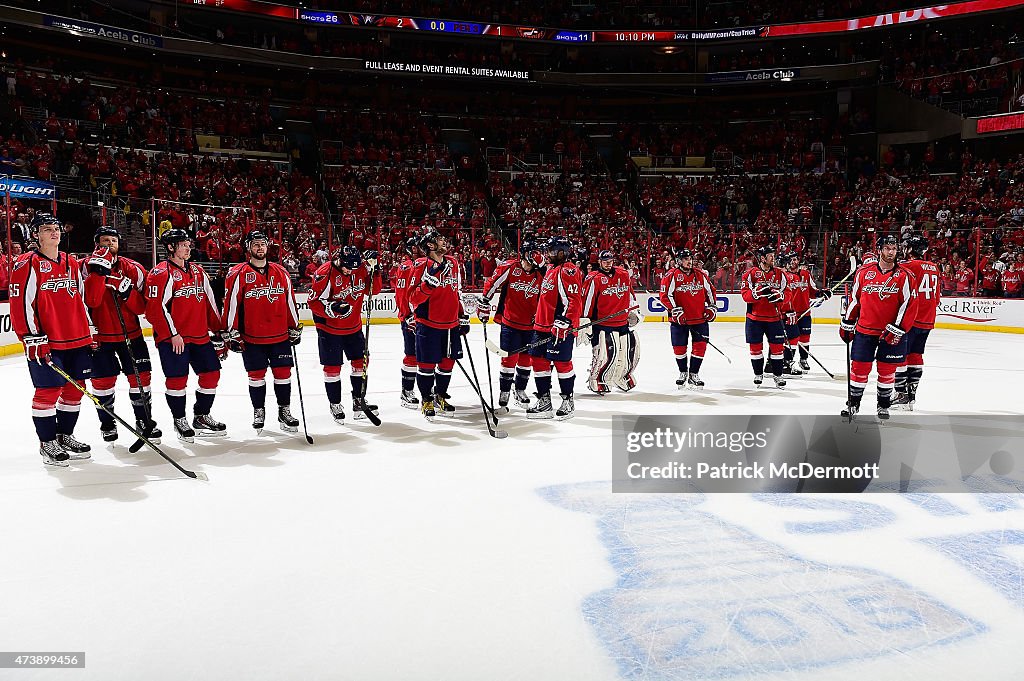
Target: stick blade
column 199, row 476
column 491, row 347
column 499, row 434
column 136, row 446
column 373, row 418
column 309, row 440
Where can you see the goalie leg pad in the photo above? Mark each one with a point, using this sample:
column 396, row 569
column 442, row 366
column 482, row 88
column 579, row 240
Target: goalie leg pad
column 600, row 365
column 629, row 351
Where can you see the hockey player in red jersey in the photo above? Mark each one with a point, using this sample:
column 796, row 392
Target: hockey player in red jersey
column 262, row 323
column 801, row 289
column 188, row 332
column 764, row 289
column 49, row 316
column 690, row 299
column 116, row 284
column 517, row 282
column 608, row 295
column 926, row 275
column 558, row 318
column 883, row 307
column 441, row 322
column 336, row 301
column 404, row 312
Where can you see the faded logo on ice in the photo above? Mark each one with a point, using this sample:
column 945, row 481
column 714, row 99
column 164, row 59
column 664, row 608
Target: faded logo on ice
column 699, row 598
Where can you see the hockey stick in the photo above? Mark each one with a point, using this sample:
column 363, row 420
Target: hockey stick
column 372, row 417
column 95, row 400
column 796, row 354
column 708, row 341
column 487, row 358
column 489, row 406
column 530, row 346
column 496, row 433
column 470, row 304
column 818, row 302
column 786, row 340
column 302, row 402
column 143, row 395
column 849, row 381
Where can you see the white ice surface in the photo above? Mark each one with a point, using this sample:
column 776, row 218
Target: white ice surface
column 431, row 551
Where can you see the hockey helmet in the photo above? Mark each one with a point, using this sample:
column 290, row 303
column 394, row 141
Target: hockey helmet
column 174, row 236
column 430, row 241
column 106, row 230
column 41, row 219
column 349, row 258
column 917, row 245
column 254, row 236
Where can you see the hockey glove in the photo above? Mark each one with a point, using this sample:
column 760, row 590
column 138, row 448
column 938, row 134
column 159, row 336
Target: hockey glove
column 219, row 346
column 234, row 341
column 847, row 330
column 37, row 347
column 561, row 329
column 762, row 290
column 634, row 318
column 101, row 261
column 370, row 258
column 825, row 294
column 710, row 313
column 892, row 334
column 483, row 309
column 338, row 309
column 584, row 335
column 120, row 285
column 678, row 315
column 790, row 318
column 410, row 323
column 775, row 296
column 464, row 324
column 295, row 335
column 94, row 341
column 434, row 275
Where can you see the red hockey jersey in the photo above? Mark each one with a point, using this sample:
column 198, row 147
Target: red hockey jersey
column 100, row 300
column 441, row 307
column 46, row 296
column 759, row 309
column 260, row 303
column 561, row 295
column 519, row 290
column 692, row 292
column 608, row 294
column 801, row 288
column 401, row 284
column 180, row 302
column 926, row 276
column 330, row 285
column 881, row 298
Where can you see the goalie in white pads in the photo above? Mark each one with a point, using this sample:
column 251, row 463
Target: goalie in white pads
column 608, row 295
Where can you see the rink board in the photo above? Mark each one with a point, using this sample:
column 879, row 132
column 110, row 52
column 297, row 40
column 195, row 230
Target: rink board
column 966, row 314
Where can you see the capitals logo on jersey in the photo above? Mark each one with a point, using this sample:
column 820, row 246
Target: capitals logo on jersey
column 271, row 292
column 883, row 291
column 350, row 290
column 58, row 283
column 618, row 290
column 193, row 290
column 528, row 289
